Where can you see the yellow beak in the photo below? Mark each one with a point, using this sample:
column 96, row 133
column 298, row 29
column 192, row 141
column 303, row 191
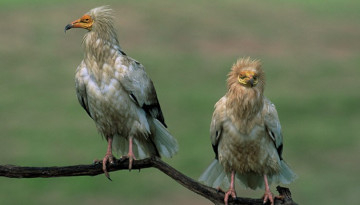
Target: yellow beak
column 78, row 24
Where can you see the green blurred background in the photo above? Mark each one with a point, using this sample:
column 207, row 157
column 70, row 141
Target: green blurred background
column 310, row 52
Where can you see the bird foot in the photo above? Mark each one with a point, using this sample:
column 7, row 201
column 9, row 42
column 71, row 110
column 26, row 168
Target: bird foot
column 131, row 158
column 268, row 196
column 231, row 192
column 108, row 158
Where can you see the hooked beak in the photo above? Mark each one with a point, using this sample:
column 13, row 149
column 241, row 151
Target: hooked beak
column 76, row 24
column 251, row 81
column 67, row 27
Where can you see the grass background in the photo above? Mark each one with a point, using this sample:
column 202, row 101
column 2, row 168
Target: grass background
column 310, row 52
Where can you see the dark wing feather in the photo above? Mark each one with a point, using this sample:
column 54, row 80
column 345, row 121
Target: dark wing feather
column 141, row 89
column 84, row 103
column 155, row 111
column 272, row 125
column 216, row 144
column 216, row 125
column 82, row 95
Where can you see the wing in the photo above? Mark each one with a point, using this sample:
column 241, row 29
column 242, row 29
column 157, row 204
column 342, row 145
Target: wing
column 141, row 89
column 216, row 124
column 272, row 125
column 81, row 88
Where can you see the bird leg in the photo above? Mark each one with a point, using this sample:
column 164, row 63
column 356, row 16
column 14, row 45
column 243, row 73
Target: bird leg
column 268, row 194
column 131, row 155
column 231, row 190
column 109, row 157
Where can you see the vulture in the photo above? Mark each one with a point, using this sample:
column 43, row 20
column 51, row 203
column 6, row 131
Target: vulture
column 117, row 93
column 246, row 135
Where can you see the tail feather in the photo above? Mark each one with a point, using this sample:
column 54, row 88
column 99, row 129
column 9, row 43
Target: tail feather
column 164, row 144
column 286, row 175
column 121, row 145
column 251, row 180
column 254, row 181
column 164, row 141
column 215, row 176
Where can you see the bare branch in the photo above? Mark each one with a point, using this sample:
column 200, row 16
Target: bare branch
column 211, row 194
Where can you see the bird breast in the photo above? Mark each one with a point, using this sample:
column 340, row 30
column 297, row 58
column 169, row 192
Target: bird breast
column 110, row 105
column 247, row 152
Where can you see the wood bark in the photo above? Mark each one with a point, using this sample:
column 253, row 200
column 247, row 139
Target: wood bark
column 209, row 193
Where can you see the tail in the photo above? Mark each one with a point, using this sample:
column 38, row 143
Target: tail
column 286, row 175
column 141, row 150
column 215, row 176
column 165, row 143
column 254, row 180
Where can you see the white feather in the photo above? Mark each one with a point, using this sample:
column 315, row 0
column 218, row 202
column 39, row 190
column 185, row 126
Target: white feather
column 286, row 175
column 164, row 141
column 121, row 145
column 215, row 176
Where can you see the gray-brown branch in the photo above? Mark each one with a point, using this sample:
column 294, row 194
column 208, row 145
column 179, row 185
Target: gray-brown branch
column 211, row 194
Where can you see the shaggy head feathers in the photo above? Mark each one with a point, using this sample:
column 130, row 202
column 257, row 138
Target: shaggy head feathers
column 247, row 65
column 101, row 40
column 243, row 100
column 103, row 19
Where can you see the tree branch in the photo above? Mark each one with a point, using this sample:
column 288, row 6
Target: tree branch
column 211, row 194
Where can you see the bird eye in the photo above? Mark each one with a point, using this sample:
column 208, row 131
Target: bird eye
column 254, row 77
column 85, row 20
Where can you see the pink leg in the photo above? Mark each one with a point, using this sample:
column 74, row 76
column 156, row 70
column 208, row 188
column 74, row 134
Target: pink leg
column 231, row 190
column 131, row 155
column 268, row 194
column 108, row 157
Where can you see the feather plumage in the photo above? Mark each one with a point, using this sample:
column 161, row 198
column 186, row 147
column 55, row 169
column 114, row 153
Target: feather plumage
column 117, row 93
column 245, row 133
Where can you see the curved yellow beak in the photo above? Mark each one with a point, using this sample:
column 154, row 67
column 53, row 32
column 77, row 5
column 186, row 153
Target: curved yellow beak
column 79, row 23
column 248, row 79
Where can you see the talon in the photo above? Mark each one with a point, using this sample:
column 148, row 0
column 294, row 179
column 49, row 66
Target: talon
column 267, row 195
column 231, row 192
column 108, row 158
column 131, row 157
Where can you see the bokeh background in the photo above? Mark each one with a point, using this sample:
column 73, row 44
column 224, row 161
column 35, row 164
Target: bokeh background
column 310, row 52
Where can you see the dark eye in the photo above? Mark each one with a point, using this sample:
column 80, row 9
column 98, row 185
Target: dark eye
column 254, row 77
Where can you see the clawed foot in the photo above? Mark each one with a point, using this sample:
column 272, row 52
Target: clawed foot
column 268, row 196
column 231, row 192
column 131, row 158
column 108, row 158
column 130, row 154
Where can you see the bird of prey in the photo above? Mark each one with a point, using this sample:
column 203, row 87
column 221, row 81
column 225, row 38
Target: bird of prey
column 117, row 93
column 246, row 135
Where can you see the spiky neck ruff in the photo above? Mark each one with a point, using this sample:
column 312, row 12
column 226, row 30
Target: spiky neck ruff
column 100, row 42
column 245, row 89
